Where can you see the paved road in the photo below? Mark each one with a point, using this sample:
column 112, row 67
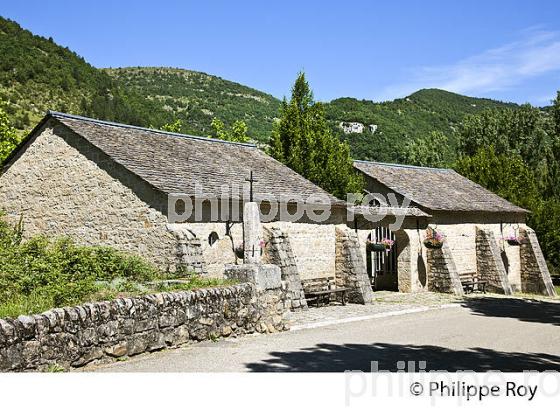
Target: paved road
column 485, row 334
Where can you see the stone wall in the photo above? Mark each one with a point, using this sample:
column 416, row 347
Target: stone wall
column 214, row 254
column 313, row 246
column 442, row 272
column 350, row 267
column 489, row 264
column 189, row 251
column 75, row 336
column 404, row 261
column 61, row 191
column 535, row 277
column 460, row 234
column 279, row 252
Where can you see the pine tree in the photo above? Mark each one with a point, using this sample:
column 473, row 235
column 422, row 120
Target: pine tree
column 556, row 114
column 303, row 141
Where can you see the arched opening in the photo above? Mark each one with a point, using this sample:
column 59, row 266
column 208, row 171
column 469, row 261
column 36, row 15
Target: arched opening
column 180, row 206
column 213, row 238
column 382, row 265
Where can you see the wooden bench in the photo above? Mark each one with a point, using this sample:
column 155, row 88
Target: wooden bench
column 323, row 291
column 471, row 282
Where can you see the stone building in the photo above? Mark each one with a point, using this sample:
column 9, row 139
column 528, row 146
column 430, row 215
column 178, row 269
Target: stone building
column 133, row 188
column 474, row 222
column 351, row 127
column 110, row 184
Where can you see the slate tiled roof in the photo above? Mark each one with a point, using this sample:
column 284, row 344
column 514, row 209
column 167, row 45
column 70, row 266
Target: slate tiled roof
column 174, row 163
column 437, row 189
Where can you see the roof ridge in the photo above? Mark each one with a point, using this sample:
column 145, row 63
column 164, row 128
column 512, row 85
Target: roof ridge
column 401, row 165
column 57, row 114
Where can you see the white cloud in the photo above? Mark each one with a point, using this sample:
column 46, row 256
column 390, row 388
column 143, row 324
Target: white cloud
column 495, row 69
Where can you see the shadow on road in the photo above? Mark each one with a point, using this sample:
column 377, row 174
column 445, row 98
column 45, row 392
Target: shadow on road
column 338, row 358
column 526, row 310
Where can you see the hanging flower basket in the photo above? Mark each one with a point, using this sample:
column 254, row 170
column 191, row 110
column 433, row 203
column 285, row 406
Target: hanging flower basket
column 384, row 245
column 513, row 240
column 375, row 247
column 434, row 239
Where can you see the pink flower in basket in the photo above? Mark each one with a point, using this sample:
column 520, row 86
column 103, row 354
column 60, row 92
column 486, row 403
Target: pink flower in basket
column 513, row 239
column 388, row 243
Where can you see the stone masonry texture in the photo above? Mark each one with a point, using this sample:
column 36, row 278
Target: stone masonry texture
column 442, row 272
column 350, row 267
column 189, row 251
column 75, row 336
column 64, row 187
column 279, row 252
column 535, row 276
column 489, row 264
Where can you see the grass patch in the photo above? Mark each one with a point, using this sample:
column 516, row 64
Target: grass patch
column 55, row 368
column 40, row 274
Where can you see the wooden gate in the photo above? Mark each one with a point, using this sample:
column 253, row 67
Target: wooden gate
column 382, row 266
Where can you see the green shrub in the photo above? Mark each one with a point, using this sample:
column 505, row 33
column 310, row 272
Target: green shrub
column 38, row 274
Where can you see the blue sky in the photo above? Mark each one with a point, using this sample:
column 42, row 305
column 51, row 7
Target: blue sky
column 379, row 50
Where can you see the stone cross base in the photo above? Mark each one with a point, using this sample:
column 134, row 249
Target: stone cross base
column 264, row 277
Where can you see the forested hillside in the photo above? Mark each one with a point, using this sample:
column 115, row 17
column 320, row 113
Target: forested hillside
column 36, row 74
column 404, row 120
column 196, row 98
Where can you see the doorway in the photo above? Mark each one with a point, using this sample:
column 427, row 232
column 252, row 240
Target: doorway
column 382, row 266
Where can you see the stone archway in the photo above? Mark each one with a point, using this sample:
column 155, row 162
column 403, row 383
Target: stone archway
column 382, row 266
column 411, row 265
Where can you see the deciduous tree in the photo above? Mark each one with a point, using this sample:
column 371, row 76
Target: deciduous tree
column 8, row 136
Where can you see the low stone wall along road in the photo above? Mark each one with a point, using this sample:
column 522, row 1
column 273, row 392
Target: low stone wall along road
column 477, row 333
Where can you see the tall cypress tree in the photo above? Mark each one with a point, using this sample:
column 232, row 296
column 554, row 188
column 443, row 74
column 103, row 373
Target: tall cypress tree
column 303, row 141
column 556, row 113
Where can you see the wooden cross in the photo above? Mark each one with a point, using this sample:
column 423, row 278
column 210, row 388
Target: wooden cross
column 251, row 180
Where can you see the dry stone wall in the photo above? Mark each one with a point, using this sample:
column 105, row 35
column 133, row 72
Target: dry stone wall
column 279, row 252
column 489, row 263
column 442, row 272
column 75, row 336
column 350, row 267
column 535, row 276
